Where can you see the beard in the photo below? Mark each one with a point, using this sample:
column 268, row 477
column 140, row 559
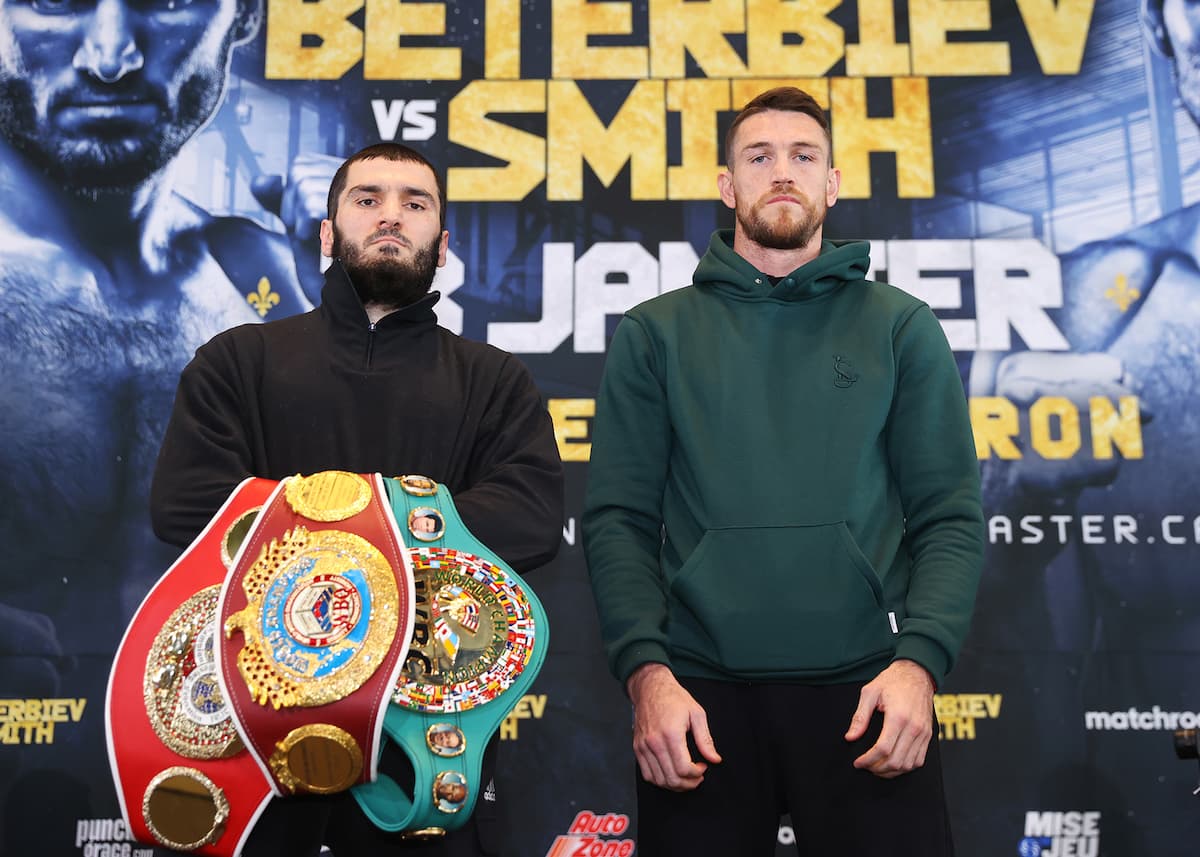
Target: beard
column 387, row 280
column 119, row 157
column 787, row 232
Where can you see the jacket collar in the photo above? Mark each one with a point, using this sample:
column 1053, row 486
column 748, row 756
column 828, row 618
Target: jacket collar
column 344, row 307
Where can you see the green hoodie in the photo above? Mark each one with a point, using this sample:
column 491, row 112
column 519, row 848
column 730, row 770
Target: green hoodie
column 783, row 483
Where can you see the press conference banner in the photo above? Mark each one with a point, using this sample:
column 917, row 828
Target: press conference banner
column 1031, row 169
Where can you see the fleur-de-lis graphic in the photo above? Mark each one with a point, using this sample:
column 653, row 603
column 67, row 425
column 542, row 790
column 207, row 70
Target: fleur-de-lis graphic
column 1121, row 294
column 264, row 298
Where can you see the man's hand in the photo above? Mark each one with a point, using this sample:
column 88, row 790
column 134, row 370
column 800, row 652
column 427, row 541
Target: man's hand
column 663, row 714
column 904, row 693
column 299, row 200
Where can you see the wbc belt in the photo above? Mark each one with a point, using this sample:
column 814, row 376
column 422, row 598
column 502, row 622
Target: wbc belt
column 183, row 776
column 479, row 639
column 316, row 617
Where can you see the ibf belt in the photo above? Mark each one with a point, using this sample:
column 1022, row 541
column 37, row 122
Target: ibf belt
column 479, row 639
column 316, row 618
column 183, row 776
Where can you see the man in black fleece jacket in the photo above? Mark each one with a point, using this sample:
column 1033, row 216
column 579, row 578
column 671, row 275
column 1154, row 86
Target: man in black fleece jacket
column 368, row 382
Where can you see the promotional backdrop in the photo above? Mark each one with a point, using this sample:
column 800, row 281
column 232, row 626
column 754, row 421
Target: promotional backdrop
column 1029, row 168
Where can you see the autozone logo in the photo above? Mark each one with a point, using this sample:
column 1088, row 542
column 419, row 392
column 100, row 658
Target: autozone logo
column 583, row 839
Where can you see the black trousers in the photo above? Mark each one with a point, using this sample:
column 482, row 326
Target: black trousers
column 783, row 752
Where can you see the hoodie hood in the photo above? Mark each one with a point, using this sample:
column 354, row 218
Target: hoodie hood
column 839, row 262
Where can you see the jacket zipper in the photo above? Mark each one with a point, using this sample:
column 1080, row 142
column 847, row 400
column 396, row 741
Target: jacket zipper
column 370, row 342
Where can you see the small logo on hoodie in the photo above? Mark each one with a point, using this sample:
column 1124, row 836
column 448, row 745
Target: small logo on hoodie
column 843, row 372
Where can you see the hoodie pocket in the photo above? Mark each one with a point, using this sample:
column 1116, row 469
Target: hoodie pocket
column 779, row 600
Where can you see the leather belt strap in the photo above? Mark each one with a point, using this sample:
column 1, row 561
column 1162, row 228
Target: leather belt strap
column 317, row 615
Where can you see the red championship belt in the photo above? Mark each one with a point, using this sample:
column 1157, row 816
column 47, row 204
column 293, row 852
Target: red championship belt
column 183, row 776
column 316, row 616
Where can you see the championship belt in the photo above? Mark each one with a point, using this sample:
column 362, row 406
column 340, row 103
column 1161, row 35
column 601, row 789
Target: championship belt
column 183, row 776
column 316, row 618
column 479, row 639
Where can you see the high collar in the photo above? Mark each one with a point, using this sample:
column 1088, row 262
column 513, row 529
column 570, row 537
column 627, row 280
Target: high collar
column 397, row 340
column 345, row 309
column 723, row 269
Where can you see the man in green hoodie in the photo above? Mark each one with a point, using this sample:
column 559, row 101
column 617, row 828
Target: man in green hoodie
column 783, row 526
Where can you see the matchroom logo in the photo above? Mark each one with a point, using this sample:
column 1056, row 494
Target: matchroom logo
column 1154, row 719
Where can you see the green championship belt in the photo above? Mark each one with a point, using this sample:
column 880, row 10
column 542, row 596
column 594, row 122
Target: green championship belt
column 479, row 638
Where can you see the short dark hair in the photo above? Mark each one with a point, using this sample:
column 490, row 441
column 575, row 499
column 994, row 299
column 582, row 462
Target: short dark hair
column 787, row 98
column 389, row 152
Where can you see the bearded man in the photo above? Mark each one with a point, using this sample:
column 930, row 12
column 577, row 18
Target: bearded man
column 783, row 526
column 109, row 281
column 368, row 382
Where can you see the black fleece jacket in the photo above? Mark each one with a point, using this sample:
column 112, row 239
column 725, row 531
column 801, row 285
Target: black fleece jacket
column 327, row 390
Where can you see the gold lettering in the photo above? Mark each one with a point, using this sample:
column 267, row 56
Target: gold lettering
column 906, row 133
column 1124, row 427
column 537, row 704
column 994, row 422
column 877, row 54
column 680, row 27
column 991, row 702
column 972, row 705
column 289, row 21
column 502, row 40
column 60, row 710
column 637, row 135
column 699, row 101
column 573, row 21
column 570, row 418
column 934, row 56
column 768, row 20
column 27, row 732
column 957, row 728
column 384, row 59
column 1058, row 30
column 525, row 153
column 528, row 706
column 1040, row 416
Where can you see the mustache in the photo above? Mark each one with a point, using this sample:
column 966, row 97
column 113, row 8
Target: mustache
column 777, row 192
column 88, row 92
column 388, row 233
